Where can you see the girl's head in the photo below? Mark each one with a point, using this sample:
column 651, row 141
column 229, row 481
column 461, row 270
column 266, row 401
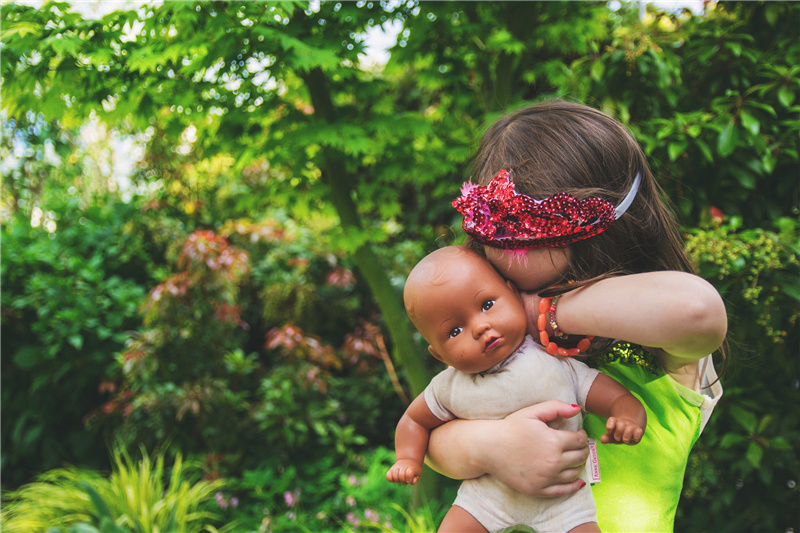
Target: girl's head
column 559, row 146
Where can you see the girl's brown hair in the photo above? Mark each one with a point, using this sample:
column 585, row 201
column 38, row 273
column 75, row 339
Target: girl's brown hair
column 559, row 146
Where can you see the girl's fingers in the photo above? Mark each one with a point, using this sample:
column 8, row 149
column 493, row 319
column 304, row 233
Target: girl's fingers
column 563, row 489
column 574, row 459
column 568, row 475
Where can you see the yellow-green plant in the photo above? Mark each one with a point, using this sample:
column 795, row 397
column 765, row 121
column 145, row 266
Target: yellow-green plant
column 419, row 521
column 137, row 496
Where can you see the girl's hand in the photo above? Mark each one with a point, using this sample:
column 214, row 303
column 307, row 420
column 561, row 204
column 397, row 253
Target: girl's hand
column 532, row 457
column 521, row 450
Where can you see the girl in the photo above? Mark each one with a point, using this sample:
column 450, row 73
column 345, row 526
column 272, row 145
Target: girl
column 617, row 278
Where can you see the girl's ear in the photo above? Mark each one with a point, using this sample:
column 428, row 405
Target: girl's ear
column 433, row 353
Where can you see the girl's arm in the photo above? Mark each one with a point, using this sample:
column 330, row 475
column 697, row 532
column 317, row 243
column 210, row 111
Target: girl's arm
column 520, row 450
column 679, row 315
column 411, row 442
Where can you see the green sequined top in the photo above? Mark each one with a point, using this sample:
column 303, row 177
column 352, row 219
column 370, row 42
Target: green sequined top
column 641, row 485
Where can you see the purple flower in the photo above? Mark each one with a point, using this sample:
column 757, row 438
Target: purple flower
column 352, row 519
column 221, row 501
column 291, row 498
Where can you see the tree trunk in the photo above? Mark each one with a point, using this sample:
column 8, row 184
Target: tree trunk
column 405, row 350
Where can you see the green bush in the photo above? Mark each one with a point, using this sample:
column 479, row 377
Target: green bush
column 713, row 101
column 223, row 366
column 322, row 495
column 137, row 497
column 68, row 297
column 747, row 457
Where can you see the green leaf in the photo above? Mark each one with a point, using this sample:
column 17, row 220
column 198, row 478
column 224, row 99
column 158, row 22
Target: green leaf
column 766, row 107
column 65, row 45
column 597, row 70
column 736, row 48
column 728, row 139
column 706, row 150
column 780, row 444
column 771, row 14
column 786, row 96
column 76, row 341
column 676, row 149
column 745, row 177
column 745, row 418
column 730, row 439
column 97, row 500
column 764, row 424
column 754, row 454
column 27, row 357
column 83, row 528
column 769, row 163
column 792, row 291
column 750, row 122
column 21, row 29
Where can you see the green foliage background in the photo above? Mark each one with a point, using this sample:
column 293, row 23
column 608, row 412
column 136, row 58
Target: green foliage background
column 236, row 297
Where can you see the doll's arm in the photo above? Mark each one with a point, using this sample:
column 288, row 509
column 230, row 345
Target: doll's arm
column 678, row 314
column 411, row 442
column 520, row 450
column 627, row 418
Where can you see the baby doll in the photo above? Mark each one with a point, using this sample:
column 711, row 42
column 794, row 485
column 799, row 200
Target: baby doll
column 475, row 322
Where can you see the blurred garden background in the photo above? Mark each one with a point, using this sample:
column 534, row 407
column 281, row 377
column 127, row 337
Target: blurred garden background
column 209, row 210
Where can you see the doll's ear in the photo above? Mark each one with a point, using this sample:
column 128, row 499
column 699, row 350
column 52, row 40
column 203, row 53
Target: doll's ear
column 513, row 288
column 433, row 353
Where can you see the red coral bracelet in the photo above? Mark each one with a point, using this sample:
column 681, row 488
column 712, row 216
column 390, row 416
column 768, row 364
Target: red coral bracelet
column 548, row 305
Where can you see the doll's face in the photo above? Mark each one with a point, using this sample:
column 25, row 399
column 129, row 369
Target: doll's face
column 471, row 317
column 531, row 270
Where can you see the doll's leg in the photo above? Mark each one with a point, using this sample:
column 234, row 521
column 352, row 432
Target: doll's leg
column 457, row 520
column 589, row 527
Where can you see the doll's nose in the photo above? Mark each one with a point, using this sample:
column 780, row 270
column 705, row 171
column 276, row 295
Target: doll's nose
column 481, row 328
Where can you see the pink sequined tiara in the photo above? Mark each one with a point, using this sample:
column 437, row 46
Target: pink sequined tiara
column 498, row 216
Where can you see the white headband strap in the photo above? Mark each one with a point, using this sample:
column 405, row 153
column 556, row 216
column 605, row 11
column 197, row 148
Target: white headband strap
column 628, row 200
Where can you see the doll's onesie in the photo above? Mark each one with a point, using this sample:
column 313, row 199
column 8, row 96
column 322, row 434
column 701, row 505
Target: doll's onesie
column 528, row 376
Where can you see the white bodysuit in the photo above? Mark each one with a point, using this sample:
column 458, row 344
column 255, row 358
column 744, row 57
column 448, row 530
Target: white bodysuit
column 528, row 376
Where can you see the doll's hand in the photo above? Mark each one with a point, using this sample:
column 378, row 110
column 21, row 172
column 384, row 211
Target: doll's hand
column 405, row 471
column 622, row 430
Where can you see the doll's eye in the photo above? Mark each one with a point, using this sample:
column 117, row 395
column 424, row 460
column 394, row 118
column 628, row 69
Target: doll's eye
column 455, row 331
column 488, row 304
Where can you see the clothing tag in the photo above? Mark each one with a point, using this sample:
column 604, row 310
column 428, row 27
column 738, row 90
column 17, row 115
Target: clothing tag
column 592, row 463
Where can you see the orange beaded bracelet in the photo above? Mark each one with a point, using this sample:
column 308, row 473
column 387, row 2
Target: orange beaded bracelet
column 547, row 305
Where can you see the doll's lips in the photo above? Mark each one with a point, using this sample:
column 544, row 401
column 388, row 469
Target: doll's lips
column 492, row 342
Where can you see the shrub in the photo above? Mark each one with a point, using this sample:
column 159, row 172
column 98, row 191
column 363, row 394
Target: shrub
column 137, row 497
column 321, row 495
column 68, row 297
column 747, row 458
column 224, row 366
